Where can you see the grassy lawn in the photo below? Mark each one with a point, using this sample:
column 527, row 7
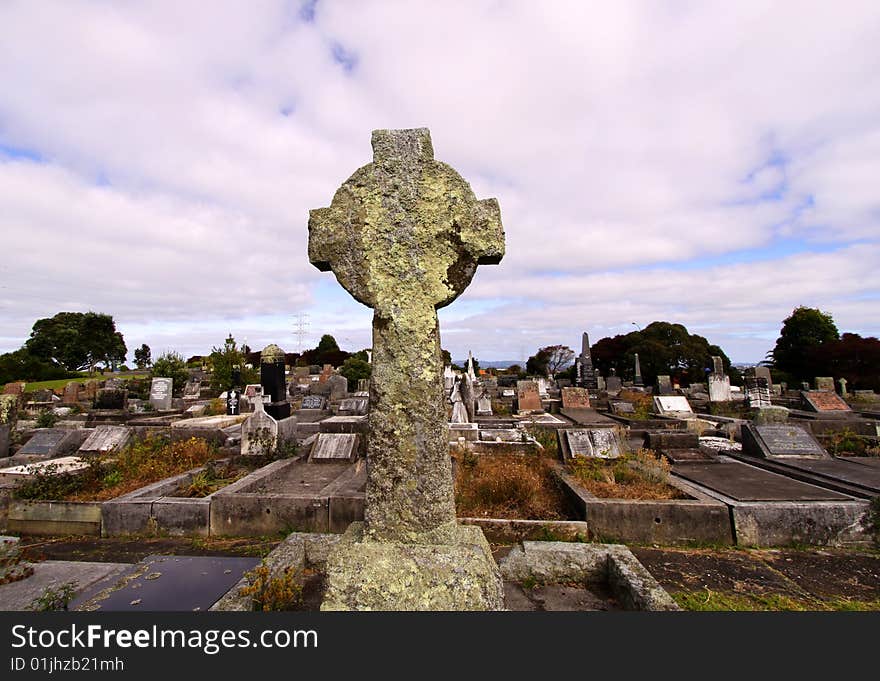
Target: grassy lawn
column 61, row 382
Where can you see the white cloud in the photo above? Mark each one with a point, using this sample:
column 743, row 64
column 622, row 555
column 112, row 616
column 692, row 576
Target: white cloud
column 632, row 147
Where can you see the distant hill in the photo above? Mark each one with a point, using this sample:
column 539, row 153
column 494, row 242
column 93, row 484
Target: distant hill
column 493, row 363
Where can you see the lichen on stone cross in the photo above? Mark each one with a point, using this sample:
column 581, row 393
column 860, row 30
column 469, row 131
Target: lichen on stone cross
column 404, row 235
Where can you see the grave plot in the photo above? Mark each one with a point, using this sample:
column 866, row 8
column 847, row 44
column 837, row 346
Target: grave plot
column 291, row 494
column 793, row 451
column 508, row 486
column 633, row 498
column 178, row 505
column 770, row 509
column 70, row 503
column 49, row 443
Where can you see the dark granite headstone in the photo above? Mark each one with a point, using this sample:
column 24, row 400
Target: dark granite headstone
column 168, row 583
column 53, row 442
column 111, row 398
column 779, row 440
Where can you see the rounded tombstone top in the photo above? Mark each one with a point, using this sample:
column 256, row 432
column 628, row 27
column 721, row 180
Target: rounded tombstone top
column 272, row 354
column 405, row 227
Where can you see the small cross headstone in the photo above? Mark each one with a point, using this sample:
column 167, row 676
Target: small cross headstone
column 842, row 382
column 404, row 236
column 233, row 399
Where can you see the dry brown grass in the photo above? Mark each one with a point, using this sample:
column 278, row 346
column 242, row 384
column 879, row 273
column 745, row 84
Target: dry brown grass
column 143, row 463
column 640, row 475
column 508, row 486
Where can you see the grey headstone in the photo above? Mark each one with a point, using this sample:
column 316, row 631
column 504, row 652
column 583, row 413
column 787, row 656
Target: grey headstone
column 161, row 393
column 354, row 406
column 335, row 447
column 52, row 442
column 338, row 387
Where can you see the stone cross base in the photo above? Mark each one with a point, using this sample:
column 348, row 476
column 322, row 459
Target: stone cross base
column 370, row 575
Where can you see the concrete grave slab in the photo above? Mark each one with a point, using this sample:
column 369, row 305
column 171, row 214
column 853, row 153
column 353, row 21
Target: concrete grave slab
column 52, row 574
column 344, row 424
column 742, row 482
column 354, row 406
column 61, row 464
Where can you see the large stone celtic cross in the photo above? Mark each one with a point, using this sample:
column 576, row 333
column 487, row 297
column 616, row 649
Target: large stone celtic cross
column 404, row 235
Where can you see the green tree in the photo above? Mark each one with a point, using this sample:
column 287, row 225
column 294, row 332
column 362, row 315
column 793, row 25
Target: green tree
column 802, row 333
column 142, row 356
column 171, row 365
column 663, row 348
column 77, row 340
column 354, row 369
column 222, row 360
column 537, row 364
column 326, row 352
column 21, row 365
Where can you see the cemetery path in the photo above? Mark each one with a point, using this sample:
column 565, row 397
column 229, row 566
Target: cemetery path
column 132, row 550
column 699, row 579
column 767, row 579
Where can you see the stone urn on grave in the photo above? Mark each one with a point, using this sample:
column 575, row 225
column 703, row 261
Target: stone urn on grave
column 404, row 236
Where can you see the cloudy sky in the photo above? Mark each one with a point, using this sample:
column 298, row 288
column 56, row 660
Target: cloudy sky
column 710, row 164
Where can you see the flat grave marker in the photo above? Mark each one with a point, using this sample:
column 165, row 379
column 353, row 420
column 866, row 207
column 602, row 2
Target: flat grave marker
column 780, row 440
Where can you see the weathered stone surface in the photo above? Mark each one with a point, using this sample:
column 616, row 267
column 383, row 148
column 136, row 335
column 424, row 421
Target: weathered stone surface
column 105, row 439
column 824, row 400
column 404, row 235
column 575, row 398
column 528, row 397
column 8, row 409
column 459, row 574
column 335, row 447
